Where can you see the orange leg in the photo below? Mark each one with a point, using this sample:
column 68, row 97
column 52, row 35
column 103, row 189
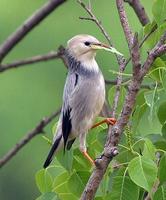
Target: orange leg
column 87, row 156
column 109, row 121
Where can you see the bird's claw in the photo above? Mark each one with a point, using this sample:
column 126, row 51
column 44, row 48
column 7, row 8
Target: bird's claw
column 110, row 121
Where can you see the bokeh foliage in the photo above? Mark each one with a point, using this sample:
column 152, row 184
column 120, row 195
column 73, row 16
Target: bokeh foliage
column 29, row 93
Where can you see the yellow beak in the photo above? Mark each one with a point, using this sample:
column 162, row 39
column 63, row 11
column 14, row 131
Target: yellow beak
column 105, row 47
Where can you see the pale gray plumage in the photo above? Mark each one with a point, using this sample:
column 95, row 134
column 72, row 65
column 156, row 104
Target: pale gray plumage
column 84, row 94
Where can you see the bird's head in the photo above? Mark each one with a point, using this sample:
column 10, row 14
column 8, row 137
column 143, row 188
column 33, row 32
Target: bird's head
column 84, row 46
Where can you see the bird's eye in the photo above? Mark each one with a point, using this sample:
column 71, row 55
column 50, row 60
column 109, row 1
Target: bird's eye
column 87, row 43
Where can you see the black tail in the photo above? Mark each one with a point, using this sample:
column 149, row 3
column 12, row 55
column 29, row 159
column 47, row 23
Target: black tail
column 52, row 151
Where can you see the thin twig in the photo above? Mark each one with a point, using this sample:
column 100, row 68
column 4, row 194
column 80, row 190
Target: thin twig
column 139, row 10
column 35, row 59
column 119, row 81
column 126, row 82
column 27, row 26
column 39, row 128
column 94, row 19
column 120, row 59
column 122, row 63
column 124, row 22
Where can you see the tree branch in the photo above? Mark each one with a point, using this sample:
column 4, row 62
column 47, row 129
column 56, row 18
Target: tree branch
column 139, row 10
column 60, row 54
column 157, row 51
column 37, row 130
column 35, row 59
column 116, row 131
column 154, row 28
column 124, row 22
column 135, row 56
column 27, row 26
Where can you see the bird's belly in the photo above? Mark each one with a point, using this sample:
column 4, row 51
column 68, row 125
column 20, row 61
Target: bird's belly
column 92, row 103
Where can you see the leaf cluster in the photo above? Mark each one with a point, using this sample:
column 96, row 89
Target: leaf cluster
column 140, row 166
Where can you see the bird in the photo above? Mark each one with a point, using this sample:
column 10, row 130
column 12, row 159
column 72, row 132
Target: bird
column 83, row 95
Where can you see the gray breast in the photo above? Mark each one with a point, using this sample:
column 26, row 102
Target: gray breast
column 87, row 101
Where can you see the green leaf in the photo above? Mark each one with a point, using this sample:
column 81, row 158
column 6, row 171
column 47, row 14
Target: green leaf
column 157, row 69
column 94, row 145
column 44, row 181
column 139, row 109
column 148, row 27
column 143, row 172
column 151, row 99
column 111, row 94
column 163, row 81
column 67, row 196
column 142, row 194
column 138, row 146
column 158, row 10
column 124, row 156
column 60, row 183
column 163, row 130
column 80, row 162
column 113, row 50
column 160, row 193
column 162, row 168
column 154, row 35
column 161, row 144
column 137, row 116
column 149, row 149
column 140, row 99
column 101, row 137
column 56, row 169
column 123, row 189
column 48, row 196
column 66, row 159
column 154, row 137
column 77, row 182
column 153, row 38
column 162, row 113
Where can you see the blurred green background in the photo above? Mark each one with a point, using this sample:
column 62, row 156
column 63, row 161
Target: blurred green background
column 31, row 92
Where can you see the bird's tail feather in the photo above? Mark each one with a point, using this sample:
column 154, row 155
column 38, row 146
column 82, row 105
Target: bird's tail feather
column 52, row 151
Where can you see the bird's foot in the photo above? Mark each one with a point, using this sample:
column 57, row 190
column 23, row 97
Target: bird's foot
column 109, row 121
